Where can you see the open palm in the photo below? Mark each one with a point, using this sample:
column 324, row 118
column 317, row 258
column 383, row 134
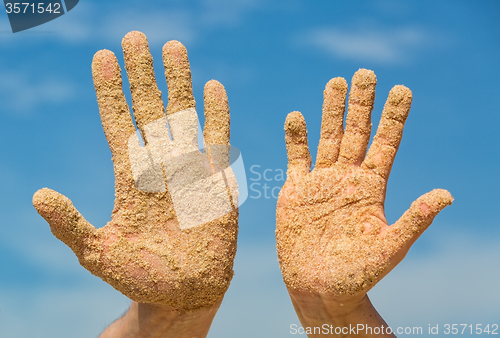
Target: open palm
column 332, row 235
column 143, row 252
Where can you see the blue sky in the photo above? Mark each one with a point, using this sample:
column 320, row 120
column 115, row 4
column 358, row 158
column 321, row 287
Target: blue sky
column 273, row 57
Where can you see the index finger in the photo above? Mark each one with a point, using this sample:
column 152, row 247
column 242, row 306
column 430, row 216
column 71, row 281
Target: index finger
column 390, row 131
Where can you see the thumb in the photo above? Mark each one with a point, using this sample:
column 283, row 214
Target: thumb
column 66, row 223
column 420, row 215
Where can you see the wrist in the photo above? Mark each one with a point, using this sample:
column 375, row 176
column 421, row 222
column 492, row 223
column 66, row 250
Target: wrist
column 152, row 320
column 351, row 315
column 321, row 304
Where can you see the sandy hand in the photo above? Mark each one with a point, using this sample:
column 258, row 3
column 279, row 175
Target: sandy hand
column 332, row 235
column 143, row 252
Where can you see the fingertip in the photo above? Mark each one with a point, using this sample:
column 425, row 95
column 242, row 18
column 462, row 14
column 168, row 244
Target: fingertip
column 105, row 65
column 135, row 38
column 400, row 95
column 430, row 204
column 136, row 50
column 397, row 106
column 439, row 198
column 213, row 84
column 173, row 44
column 48, row 202
column 43, row 198
column 174, row 48
column 295, row 124
column 215, row 89
column 335, row 86
column 103, row 54
column 133, row 34
column 338, row 83
column 38, row 196
column 364, row 78
column 216, row 102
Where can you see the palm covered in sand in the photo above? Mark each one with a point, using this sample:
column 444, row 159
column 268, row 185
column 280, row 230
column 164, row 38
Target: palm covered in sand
column 142, row 251
column 332, row 235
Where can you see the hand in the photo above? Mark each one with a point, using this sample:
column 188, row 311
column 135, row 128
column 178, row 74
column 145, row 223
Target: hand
column 143, row 251
column 332, row 236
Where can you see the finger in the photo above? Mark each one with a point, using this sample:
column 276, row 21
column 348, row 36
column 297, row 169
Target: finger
column 299, row 158
column 180, row 93
column 146, row 97
column 115, row 114
column 66, row 223
column 419, row 216
column 390, row 131
column 332, row 127
column 178, row 74
column 358, row 121
column 217, row 119
column 217, row 123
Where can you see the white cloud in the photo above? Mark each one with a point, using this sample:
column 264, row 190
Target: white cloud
column 368, row 43
column 159, row 27
column 22, row 94
column 93, row 22
column 223, row 12
column 228, row 74
column 393, row 8
column 183, row 22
